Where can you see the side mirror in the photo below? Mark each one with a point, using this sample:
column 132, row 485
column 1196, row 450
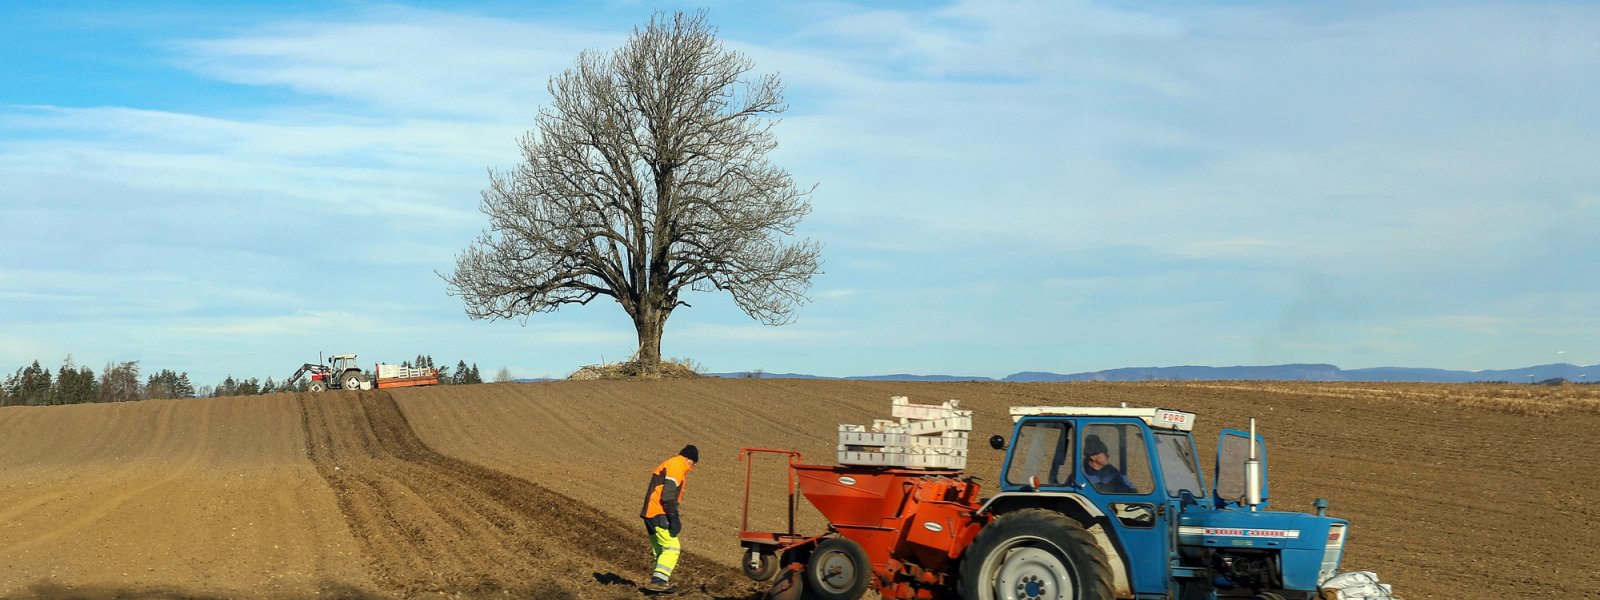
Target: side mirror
column 997, row 442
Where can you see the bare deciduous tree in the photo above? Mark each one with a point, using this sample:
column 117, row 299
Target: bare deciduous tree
column 119, row 382
column 648, row 175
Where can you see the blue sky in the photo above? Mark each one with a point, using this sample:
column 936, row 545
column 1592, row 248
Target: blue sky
column 229, row 188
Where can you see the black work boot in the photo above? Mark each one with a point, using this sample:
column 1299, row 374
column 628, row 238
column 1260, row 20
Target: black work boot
column 659, row 586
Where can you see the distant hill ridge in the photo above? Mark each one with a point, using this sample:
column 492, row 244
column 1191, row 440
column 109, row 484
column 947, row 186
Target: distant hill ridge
column 1292, row 372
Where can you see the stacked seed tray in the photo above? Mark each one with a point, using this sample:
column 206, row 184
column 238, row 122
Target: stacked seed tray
column 397, row 371
column 921, row 436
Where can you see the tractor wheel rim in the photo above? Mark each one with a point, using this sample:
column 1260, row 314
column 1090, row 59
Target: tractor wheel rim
column 1030, row 573
column 838, row 572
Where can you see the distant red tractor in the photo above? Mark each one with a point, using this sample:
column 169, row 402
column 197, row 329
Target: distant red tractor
column 342, row 373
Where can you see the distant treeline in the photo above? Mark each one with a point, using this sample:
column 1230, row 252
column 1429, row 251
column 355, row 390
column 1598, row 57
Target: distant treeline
column 34, row 385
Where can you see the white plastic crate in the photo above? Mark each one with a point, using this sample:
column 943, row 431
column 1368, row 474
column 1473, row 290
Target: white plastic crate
column 916, row 447
column 397, row 371
column 868, row 438
column 906, row 450
column 938, row 426
column 901, row 407
column 938, row 444
column 854, row 435
column 888, row 426
column 871, row 459
column 902, row 459
column 935, row 461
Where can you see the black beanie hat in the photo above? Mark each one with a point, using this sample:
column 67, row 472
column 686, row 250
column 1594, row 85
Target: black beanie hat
column 690, row 452
column 1092, row 446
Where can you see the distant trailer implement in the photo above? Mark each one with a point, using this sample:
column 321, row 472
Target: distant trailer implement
column 393, row 376
column 342, row 373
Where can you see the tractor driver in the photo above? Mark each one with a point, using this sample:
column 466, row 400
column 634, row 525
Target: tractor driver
column 1097, row 468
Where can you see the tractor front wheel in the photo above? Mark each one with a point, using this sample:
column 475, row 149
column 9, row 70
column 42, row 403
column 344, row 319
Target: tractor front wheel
column 838, row 570
column 317, row 385
column 1035, row 554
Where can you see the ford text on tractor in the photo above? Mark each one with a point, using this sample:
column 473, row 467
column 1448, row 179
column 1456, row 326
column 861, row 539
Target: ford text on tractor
column 342, row 373
column 1062, row 526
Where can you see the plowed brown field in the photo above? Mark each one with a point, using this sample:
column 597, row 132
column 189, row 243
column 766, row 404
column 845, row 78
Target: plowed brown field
column 533, row 490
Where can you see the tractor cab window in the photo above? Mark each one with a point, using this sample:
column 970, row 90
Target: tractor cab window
column 1042, row 450
column 1175, row 451
column 1115, row 460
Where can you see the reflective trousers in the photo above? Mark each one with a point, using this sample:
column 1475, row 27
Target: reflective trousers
column 664, row 546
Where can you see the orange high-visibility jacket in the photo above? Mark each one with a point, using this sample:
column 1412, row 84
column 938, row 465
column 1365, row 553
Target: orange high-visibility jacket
column 666, row 487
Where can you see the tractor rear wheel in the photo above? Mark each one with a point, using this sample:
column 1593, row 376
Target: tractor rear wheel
column 352, row 380
column 759, row 566
column 1035, row 554
column 838, row 570
column 317, row 385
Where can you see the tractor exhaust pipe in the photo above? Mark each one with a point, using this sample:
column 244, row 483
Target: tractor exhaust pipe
column 1252, row 472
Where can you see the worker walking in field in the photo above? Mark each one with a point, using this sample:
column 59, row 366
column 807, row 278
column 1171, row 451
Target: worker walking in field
column 660, row 514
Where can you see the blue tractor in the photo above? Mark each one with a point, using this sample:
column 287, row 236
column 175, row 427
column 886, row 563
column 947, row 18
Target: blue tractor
column 1102, row 503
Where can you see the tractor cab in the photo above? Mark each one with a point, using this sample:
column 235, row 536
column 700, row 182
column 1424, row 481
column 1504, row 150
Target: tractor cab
column 340, row 363
column 1132, row 477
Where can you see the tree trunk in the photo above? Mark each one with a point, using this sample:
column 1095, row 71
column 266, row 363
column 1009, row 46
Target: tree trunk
column 649, row 326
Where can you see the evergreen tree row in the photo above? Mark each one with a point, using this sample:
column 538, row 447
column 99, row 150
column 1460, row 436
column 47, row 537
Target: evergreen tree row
column 35, row 385
column 462, row 375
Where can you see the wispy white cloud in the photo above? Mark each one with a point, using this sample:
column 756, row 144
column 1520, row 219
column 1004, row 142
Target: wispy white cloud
column 404, row 61
column 297, row 324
